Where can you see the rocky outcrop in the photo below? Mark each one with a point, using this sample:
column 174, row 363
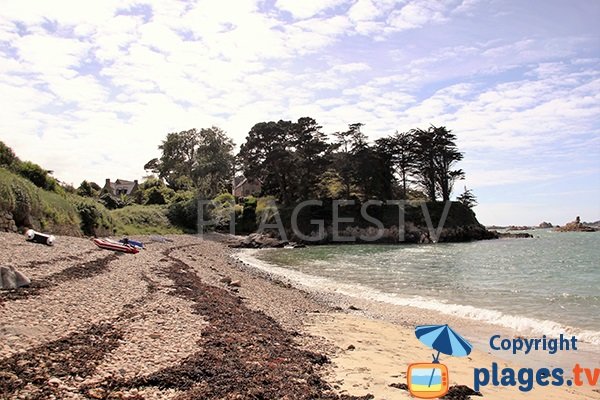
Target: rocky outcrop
column 10, row 278
column 257, row 241
column 7, row 223
column 545, row 225
column 510, row 235
column 519, row 228
column 575, row 226
column 354, row 234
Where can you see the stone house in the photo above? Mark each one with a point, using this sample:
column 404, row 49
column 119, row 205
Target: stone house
column 121, row 187
column 244, row 187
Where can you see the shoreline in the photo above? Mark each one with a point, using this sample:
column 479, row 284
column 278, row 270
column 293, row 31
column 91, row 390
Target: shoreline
column 168, row 323
column 345, row 293
column 377, row 316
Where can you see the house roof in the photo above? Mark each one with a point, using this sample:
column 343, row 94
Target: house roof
column 121, row 184
column 124, row 182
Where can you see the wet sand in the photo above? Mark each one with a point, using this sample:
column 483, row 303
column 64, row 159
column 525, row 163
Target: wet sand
column 168, row 324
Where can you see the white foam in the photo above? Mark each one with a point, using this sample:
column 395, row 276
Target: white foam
column 521, row 324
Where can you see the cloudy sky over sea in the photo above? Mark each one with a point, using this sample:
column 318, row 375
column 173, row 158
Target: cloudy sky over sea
column 90, row 88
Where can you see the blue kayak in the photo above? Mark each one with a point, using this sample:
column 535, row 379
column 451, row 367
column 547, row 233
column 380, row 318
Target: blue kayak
column 132, row 242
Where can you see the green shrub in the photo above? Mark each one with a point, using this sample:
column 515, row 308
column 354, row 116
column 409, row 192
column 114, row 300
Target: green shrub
column 95, row 218
column 36, row 174
column 7, row 156
column 184, row 214
column 264, row 208
column 246, row 223
column 141, row 220
column 111, row 202
column 85, row 190
column 156, row 195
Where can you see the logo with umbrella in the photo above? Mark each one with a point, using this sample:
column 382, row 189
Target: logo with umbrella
column 430, row 380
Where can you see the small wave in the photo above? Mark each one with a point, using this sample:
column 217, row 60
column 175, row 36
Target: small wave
column 522, row 324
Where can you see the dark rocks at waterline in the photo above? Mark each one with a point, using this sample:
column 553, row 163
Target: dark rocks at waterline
column 511, row 235
column 257, row 241
column 411, row 234
column 545, row 225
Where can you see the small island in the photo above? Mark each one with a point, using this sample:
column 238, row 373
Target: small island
column 576, row 226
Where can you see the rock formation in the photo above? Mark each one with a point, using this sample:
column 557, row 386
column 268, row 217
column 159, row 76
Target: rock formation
column 7, row 223
column 575, row 226
column 10, row 278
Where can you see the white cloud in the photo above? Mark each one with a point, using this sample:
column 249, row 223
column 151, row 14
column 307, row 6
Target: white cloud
column 79, row 76
column 50, row 55
column 307, row 9
column 351, row 67
column 417, row 14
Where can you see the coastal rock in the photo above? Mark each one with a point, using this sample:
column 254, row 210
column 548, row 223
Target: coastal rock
column 510, row 235
column 235, row 283
column 576, row 226
column 10, row 278
column 257, row 241
column 545, row 225
column 519, row 228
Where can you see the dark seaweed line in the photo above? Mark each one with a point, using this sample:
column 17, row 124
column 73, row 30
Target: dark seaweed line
column 243, row 353
column 75, row 355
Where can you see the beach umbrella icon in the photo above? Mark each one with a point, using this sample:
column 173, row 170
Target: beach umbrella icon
column 443, row 339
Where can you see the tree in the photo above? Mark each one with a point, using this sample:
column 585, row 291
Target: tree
column 467, row 198
column 267, row 156
column 349, row 144
column 387, row 150
column 424, row 168
column 178, row 156
column 213, row 171
column 200, row 159
column 310, row 156
column 404, row 158
column 435, row 155
column 447, row 156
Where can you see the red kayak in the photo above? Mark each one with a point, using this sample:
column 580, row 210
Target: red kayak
column 115, row 246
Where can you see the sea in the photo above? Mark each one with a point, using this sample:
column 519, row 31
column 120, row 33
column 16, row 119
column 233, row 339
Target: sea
column 545, row 285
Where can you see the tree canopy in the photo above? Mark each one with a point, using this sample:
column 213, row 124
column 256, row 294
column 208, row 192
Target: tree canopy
column 202, row 160
column 295, row 161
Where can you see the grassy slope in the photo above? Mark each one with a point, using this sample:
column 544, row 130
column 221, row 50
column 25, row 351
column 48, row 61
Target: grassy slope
column 142, row 220
column 32, row 206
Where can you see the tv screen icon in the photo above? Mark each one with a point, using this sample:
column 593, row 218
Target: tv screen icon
column 427, row 380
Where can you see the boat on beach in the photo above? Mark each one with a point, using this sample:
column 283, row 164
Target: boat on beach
column 115, row 246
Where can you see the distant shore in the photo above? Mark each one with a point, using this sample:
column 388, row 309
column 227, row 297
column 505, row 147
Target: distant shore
column 183, row 319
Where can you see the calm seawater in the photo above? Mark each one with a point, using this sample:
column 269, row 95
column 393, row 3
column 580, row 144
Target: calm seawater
column 548, row 284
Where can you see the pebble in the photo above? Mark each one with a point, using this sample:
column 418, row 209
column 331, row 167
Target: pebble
column 54, row 381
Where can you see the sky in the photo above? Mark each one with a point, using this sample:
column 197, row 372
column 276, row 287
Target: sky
column 89, row 89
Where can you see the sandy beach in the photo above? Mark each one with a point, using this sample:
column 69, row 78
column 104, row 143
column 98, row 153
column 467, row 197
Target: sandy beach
column 185, row 319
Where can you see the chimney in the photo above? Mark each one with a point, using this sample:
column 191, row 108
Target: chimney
column 107, row 182
column 135, row 181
